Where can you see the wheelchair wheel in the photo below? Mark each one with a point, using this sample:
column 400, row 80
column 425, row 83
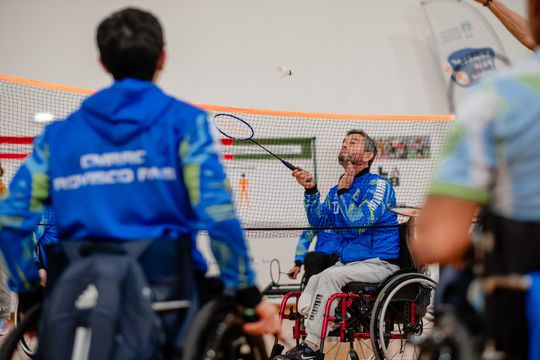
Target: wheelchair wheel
column 28, row 342
column 217, row 334
column 355, row 350
column 451, row 338
column 402, row 312
column 24, row 335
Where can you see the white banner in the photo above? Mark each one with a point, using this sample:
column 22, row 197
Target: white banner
column 467, row 45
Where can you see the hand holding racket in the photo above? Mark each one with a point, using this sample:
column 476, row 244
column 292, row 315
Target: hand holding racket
column 304, row 178
column 275, row 271
column 293, row 273
column 239, row 130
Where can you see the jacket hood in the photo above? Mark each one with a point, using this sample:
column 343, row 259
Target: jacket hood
column 123, row 110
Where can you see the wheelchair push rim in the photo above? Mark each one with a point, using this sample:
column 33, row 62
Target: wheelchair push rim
column 389, row 338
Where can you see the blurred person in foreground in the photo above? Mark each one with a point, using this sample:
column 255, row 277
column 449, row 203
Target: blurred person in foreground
column 491, row 161
column 132, row 163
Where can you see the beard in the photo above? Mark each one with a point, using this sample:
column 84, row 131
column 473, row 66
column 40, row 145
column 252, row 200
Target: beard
column 344, row 158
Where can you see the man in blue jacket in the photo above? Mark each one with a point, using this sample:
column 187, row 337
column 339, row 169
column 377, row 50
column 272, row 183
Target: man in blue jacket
column 322, row 257
column 359, row 203
column 132, row 163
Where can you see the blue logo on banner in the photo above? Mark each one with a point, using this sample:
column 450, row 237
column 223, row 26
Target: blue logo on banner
column 469, row 65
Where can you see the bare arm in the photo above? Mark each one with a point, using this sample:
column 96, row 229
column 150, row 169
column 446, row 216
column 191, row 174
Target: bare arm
column 515, row 23
column 443, row 230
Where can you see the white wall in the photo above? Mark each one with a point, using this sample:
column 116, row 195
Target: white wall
column 348, row 56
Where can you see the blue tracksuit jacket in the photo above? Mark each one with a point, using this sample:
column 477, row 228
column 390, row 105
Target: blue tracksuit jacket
column 132, row 163
column 365, row 204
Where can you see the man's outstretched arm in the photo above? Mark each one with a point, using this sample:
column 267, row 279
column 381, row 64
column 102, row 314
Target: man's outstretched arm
column 515, row 23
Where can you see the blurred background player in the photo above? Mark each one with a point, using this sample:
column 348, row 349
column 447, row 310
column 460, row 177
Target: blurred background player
column 243, row 184
column 324, row 255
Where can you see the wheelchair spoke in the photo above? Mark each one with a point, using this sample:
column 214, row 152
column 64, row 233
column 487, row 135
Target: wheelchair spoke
column 403, row 313
column 332, row 350
column 340, row 350
column 337, row 352
column 333, row 347
column 364, row 356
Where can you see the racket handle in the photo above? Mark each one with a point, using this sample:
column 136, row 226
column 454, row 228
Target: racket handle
column 292, row 167
column 289, row 165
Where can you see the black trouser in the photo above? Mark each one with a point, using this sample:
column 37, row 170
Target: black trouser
column 316, row 262
column 168, row 267
column 516, row 249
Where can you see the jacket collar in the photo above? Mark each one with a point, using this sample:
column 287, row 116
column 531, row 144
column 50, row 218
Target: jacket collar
column 361, row 173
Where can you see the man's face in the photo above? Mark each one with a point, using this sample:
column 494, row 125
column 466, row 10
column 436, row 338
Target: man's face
column 352, row 149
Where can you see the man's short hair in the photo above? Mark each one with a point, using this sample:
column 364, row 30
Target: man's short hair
column 130, row 43
column 369, row 143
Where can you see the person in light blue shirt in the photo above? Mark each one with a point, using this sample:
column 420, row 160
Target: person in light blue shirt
column 491, row 161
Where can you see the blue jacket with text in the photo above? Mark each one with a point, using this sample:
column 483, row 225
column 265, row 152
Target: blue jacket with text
column 132, row 163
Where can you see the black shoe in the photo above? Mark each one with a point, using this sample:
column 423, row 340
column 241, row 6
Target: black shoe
column 300, row 352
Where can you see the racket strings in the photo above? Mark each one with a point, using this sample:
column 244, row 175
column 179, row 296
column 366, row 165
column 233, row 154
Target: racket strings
column 232, row 127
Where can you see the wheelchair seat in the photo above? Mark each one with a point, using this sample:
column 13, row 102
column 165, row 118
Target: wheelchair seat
column 358, row 287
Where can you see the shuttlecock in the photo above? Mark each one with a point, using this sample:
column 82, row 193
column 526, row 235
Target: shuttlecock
column 284, row 71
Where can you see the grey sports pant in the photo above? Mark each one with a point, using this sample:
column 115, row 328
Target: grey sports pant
column 312, row 302
column 5, row 295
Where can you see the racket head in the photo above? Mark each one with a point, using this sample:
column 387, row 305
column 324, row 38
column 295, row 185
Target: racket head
column 233, row 127
column 409, row 211
column 275, row 271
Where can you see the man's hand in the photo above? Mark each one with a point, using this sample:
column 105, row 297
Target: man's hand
column 43, row 277
column 442, row 234
column 268, row 322
column 347, row 179
column 293, row 273
column 304, row 178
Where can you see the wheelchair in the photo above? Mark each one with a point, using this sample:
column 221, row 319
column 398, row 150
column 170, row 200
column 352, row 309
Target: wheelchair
column 215, row 332
column 373, row 320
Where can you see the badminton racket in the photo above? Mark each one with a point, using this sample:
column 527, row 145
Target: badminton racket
column 237, row 129
column 275, row 271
